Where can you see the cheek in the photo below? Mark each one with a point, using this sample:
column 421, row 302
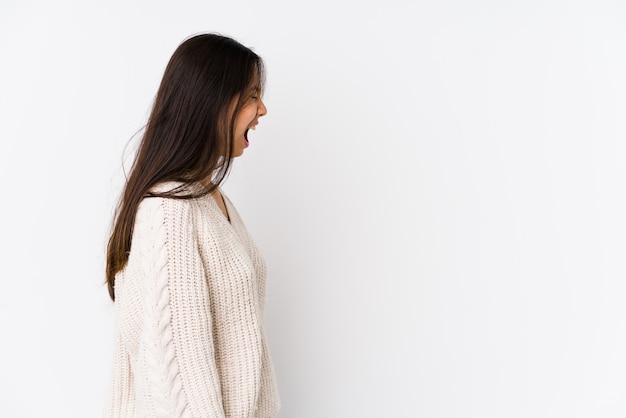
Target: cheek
column 249, row 113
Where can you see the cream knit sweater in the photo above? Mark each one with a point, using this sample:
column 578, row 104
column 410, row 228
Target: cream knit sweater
column 189, row 339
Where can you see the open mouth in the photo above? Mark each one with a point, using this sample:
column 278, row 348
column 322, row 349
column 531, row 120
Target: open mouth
column 245, row 136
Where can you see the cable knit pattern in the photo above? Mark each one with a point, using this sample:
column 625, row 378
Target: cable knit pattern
column 189, row 339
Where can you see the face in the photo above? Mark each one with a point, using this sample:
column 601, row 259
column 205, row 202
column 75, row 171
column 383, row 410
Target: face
column 247, row 118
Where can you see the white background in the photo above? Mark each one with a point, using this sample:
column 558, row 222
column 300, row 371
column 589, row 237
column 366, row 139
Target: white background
column 438, row 189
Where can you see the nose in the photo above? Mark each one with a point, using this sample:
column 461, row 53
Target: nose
column 262, row 110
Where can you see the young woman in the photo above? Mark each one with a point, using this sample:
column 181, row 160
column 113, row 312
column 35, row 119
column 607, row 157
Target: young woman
column 187, row 281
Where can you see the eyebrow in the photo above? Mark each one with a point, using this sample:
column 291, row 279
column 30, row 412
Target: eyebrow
column 256, row 90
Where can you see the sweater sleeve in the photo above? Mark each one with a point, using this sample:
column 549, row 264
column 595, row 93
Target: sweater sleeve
column 120, row 398
column 176, row 373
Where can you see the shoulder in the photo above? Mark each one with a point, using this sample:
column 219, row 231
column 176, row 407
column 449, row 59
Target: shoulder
column 164, row 212
column 163, row 228
column 175, row 215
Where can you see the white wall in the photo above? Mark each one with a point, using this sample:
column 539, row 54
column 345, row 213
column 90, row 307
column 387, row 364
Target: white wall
column 438, row 189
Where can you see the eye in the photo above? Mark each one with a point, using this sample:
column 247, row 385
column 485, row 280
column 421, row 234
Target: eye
column 255, row 94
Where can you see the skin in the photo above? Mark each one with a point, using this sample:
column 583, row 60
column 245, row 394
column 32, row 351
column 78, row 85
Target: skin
column 247, row 118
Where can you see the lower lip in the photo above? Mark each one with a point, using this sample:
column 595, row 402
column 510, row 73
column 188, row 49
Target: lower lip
column 245, row 143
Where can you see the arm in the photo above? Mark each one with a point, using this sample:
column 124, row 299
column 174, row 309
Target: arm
column 175, row 357
column 121, row 393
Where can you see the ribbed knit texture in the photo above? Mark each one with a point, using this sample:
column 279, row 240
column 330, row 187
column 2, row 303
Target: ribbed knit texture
column 189, row 338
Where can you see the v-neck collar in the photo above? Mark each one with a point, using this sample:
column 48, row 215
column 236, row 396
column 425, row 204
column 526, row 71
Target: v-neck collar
column 233, row 222
column 227, row 216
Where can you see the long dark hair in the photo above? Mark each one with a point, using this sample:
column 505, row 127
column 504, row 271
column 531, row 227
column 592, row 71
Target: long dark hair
column 189, row 134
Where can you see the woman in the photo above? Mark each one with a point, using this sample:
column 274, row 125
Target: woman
column 187, row 281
